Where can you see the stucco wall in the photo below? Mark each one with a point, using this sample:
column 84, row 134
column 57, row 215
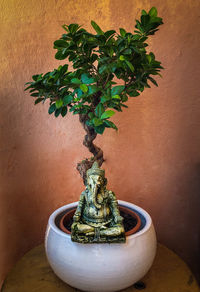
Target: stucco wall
column 154, row 158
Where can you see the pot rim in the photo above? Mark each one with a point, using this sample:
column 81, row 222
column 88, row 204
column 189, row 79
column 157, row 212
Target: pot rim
column 131, row 206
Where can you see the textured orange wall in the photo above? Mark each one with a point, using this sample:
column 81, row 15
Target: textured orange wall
column 153, row 160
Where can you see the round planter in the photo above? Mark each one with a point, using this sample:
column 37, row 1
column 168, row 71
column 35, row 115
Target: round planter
column 101, row 267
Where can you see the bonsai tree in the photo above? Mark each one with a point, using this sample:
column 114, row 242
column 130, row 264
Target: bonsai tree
column 108, row 68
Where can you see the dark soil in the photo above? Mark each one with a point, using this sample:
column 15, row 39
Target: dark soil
column 129, row 221
column 68, row 223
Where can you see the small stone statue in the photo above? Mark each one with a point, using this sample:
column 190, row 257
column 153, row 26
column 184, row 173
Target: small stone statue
column 97, row 218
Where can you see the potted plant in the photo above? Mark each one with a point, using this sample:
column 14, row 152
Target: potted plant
column 108, row 68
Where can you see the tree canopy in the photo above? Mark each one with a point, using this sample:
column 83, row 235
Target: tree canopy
column 108, row 68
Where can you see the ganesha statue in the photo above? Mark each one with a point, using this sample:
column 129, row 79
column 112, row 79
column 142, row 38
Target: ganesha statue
column 97, row 218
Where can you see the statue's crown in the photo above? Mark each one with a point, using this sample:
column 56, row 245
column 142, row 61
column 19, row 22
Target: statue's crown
column 96, row 170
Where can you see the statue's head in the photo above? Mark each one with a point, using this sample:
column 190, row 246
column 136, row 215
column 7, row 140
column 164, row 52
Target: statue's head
column 96, row 170
column 96, row 181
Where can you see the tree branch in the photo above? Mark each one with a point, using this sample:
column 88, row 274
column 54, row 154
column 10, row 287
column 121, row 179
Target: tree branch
column 84, row 165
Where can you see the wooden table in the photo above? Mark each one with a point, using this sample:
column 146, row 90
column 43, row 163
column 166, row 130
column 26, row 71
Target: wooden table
column 33, row 274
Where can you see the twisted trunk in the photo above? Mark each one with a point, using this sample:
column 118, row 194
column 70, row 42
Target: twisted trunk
column 84, row 165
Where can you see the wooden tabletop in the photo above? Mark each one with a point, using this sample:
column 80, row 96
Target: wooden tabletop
column 33, row 274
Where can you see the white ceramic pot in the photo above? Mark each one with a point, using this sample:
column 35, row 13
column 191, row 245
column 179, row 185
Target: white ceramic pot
column 101, row 267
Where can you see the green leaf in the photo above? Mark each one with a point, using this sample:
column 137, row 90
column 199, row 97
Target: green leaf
column 35, row 77
column 65, row 27
column 155, row 22
column 91, row 115
column 122, row 58
column 73, row 27
column 122, row 32
column 145, row 20
column 63, row 69
column 148, row 58
column 59, row 103
column 86, row 79
column 110, row 51
column 79, row 93
column 92, row 89
column 133, row 93
column 30, row 86
column 116, row 96
column 60, row 44
column 138, row 26
column 127, row 52
column 57, row 112
column 117, row 90
column 153, row 81
column 124, row 105
column 105, row 98
column 38, row 100
column 64, row 111
column 97, row 122
column 75, row 81
column 99, row 110
column 124, row 98
column 102, row 68
column 136, row 37
column 61, row 54
column 110, row 124
column 144, row 12
column 100, row 129
column 153, row 12
column 67, row 99
column 96, row 28
column 35, row 94
column 52, row 108
column 107, row 114
column 109, row 33
column 130, row 65
column 84, row 88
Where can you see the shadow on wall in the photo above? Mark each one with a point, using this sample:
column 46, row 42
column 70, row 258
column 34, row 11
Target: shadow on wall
column 18, row 205
column 191, row 241
column 181, row 219
column 27, row 183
